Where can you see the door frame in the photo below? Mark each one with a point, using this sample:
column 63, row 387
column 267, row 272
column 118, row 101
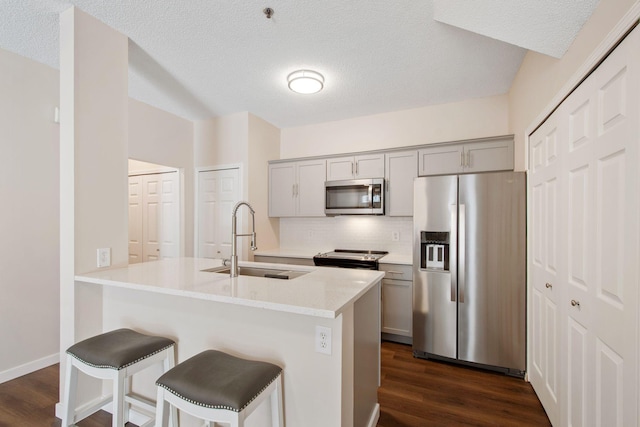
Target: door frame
column 196, row 198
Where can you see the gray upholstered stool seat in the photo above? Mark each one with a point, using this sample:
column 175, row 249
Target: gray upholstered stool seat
column 115, row 356
column 118, row 349
column 212, row 383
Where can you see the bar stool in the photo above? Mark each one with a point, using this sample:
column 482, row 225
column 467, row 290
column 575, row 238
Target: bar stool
column 217, row 387
column 116, row 356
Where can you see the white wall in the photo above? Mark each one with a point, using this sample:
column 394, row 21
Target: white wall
column 93, row 162
column 29, row 187
column 162, row 138
column 221, row 140
column 474, row 118
column 264, row 145
column 541, row 77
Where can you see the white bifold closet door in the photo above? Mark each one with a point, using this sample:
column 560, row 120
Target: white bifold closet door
column 154, row 216
column 585, row 256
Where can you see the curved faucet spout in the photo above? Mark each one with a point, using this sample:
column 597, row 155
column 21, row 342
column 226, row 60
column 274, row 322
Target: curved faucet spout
column 235, row 235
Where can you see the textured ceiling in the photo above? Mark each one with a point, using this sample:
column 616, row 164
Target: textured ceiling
column 205, row 58
column 545, row 26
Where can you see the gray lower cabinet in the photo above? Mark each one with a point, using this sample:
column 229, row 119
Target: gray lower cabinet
column 397, row 303
column 283, row 260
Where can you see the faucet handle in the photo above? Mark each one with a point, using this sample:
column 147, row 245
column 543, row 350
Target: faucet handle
column 226, row 261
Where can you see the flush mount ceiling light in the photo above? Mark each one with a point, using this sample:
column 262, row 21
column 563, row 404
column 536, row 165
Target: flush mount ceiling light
column 305, row 81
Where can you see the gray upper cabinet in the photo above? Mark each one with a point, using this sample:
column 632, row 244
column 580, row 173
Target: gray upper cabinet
column 401, row 168
column 297, row 188
column 480, row 156
column 355, row 167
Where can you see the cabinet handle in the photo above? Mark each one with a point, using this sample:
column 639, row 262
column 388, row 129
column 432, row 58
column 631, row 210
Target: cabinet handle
column 575, row 303
column 548, row 285
column 352, row 168
column 297, row 190
column 468, row 158
column 462, row 158
column 293, row 190
column 356, row 168
column 394, row 272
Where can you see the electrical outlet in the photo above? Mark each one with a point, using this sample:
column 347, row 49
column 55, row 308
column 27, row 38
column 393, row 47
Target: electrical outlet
column 323, row 340
column 395, row 236
column 104, row 257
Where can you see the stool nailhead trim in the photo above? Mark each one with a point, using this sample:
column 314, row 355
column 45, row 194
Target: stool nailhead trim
column 146, row 356
column 219, row 406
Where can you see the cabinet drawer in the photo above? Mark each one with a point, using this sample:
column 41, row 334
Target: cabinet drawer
column 397, row 271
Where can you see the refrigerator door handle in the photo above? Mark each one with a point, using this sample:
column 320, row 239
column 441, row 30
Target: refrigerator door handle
column 461, row 254
column 452, row 266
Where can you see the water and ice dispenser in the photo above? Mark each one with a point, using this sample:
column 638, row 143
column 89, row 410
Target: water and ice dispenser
column 434, row 250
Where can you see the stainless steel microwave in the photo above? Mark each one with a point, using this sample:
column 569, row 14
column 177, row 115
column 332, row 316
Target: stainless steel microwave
column 354, row 197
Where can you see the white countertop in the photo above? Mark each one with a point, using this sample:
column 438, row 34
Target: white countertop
column 391, row 258
column 323, row 292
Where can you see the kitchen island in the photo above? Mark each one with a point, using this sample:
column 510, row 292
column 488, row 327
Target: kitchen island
column 259, row 318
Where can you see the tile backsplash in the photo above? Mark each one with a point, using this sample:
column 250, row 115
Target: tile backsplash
column 348, row 232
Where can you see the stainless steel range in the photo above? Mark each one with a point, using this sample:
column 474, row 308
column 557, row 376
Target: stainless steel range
column 348, row 258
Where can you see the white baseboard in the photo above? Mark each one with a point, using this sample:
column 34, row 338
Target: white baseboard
column 28, row 368
column 375, row 416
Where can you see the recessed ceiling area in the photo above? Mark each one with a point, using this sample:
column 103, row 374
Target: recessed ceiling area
column 201, row 58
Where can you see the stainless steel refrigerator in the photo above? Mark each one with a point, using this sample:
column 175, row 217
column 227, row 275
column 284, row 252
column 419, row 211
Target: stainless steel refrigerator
column 469, row 270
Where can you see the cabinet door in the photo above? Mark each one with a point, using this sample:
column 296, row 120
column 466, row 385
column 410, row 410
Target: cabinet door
column 310, row 188
column 489, row 156
column 441, row 160
column 282, row 189
column 401, row 169
column 369, row 166
column 340, row 168
column 397, row 307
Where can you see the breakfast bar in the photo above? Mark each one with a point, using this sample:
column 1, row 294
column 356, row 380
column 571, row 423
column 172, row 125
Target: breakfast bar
column 321, row 325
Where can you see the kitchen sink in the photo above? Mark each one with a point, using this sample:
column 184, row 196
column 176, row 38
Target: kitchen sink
column 271, row 273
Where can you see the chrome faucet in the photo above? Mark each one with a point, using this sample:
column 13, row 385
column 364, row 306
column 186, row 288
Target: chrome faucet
column 235, row 235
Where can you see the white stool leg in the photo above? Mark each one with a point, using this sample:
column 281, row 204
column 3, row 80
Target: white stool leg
column 276, row 404
column 118, row 398
column 70, row 389
column 161, row 409
column 169, row 363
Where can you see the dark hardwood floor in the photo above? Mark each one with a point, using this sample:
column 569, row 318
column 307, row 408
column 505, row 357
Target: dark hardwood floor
column 414, row 392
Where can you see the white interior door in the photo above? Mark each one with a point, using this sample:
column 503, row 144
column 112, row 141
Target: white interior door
column 151, row 217
column 601, row 173
column 169, row 238
column 135, row 219
column 585, row 244
column 546, row 372
column 154, row 216
column 218, row 192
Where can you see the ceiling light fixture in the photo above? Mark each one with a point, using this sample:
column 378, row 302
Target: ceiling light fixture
column 305, row 81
